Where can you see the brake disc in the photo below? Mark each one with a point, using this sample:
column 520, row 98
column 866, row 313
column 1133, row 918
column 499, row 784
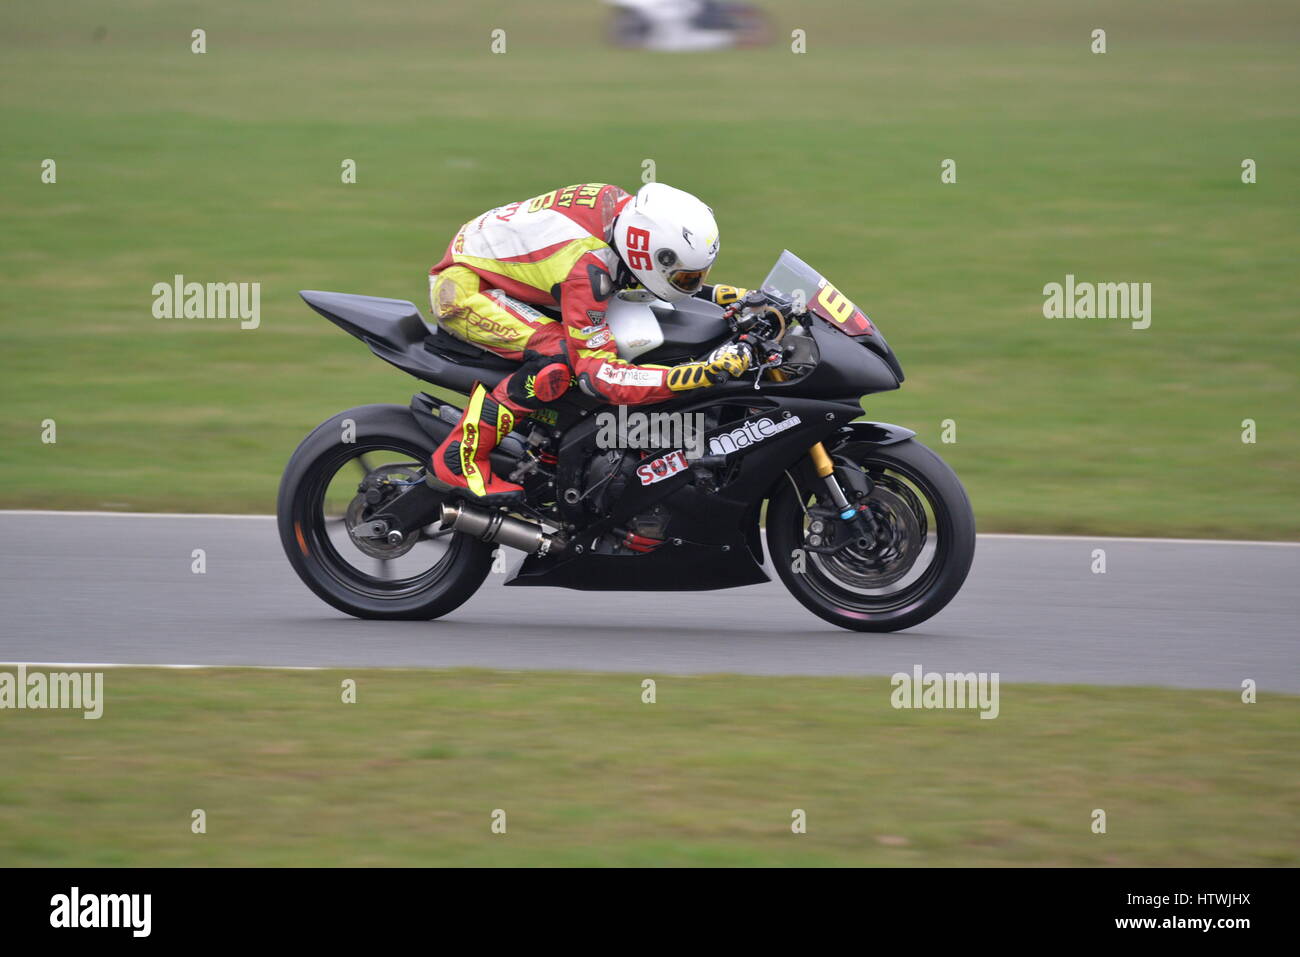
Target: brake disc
column 898, row 540
column 387, row 481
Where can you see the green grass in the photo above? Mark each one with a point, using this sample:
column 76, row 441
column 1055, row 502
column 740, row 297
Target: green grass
column 709, row 775
column 225, row 166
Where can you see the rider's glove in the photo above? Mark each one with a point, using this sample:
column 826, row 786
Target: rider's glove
column 722, row 365
column 725, row 295
column 753, row 301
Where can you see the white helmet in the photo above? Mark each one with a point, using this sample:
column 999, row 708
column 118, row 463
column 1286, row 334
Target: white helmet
column 668, row 239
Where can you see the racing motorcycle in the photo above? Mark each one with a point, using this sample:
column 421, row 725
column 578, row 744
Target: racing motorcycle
column 866, row 527
column 687, row 25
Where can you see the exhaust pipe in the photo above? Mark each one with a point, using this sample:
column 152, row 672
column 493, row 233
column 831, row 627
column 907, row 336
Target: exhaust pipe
column 496, row 527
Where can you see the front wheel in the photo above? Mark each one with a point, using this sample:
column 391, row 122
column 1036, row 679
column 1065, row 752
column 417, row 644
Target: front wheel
column 335, row 485
column 910, row 563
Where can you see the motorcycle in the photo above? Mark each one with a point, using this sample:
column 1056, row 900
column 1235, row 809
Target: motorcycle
column 865, row 526
column 681, row 25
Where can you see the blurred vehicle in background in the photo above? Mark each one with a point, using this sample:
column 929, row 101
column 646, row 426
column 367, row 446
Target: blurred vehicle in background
column 685, row 25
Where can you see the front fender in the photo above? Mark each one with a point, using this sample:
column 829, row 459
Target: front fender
column 877, row 433
column 874, row 433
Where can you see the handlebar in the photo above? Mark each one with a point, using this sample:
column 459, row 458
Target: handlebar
column 759, row 322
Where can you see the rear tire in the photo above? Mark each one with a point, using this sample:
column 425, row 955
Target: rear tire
column 317, row 559
column 839, row 588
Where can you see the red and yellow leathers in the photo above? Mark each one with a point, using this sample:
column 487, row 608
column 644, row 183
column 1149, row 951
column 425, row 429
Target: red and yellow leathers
column 553, row 250
column 463, row 460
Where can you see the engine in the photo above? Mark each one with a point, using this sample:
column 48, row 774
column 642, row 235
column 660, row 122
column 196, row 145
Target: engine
column 607, row 476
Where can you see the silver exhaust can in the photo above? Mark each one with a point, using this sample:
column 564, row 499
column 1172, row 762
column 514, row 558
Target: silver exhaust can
column 496, row 527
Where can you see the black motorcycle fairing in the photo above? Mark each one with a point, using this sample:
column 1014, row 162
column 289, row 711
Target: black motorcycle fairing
column 673, row 567
column 877, row 433
column 847, row 369
column 712, row 532
column 855, row 433
column 816, row 419
column 394, row 330
column 390, row 322
column 877, row 344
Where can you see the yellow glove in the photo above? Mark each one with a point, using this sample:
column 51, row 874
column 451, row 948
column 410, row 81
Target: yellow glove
column 718, row 368
column 725, row 295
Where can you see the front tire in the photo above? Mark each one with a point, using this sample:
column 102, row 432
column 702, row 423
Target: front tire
column 316, row 528
column 906, row 576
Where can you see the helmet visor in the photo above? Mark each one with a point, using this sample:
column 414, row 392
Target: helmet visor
column 687, row 280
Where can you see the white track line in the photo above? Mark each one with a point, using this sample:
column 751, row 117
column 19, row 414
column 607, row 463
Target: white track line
column 109, row 665
column 37, row 511
column 96, row 665
column 1156, row 541
column 1008, row 535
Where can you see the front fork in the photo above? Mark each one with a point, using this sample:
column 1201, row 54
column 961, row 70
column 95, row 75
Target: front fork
column 841, row 523
column 825, row 468
column 826, row 472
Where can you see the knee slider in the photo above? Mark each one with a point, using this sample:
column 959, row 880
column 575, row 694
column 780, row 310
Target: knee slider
column 541, row 379
column 551, row 381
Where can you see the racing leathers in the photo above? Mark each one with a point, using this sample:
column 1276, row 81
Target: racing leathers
column 554, row 250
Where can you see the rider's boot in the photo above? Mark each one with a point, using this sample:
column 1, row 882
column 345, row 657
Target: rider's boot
column 463, row 460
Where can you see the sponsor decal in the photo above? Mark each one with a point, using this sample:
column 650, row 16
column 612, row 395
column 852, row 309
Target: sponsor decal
column 490, row 326
column 467, row 448
column 522, row 308
column 597, row 317
column 504, row 213
column 629, row 375
column 665, row 466
column 599, row 339
column 751, row 433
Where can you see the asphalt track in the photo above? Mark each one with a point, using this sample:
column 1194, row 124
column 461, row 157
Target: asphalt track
column 118, row 589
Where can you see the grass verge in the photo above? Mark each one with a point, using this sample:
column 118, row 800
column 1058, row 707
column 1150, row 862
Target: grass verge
column 589, row 775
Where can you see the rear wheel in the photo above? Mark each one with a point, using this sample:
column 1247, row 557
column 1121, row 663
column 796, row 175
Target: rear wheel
column 906, row 568
column 329, row 495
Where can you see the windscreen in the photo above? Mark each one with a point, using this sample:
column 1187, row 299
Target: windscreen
column 793, row 278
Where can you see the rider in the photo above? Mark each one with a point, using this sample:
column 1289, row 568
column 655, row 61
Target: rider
column 574, row 248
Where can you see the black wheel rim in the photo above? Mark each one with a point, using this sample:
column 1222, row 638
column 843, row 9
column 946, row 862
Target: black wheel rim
column 326, row 537
column 825, row 576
